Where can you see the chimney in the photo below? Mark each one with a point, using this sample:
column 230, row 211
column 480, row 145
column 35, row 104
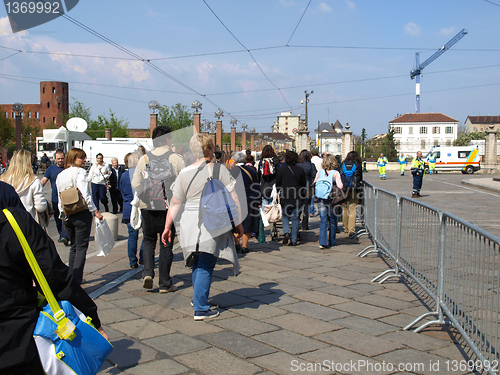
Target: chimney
column 153, row 122
column 107, row 134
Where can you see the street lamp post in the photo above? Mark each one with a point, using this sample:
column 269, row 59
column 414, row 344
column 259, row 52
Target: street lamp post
column 18, row 109
column 306, row 101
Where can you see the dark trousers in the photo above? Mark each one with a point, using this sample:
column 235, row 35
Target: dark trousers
column 59, row 223
column 153, row 223
column 305, row 213
column 417, row 183
column 78, row 227
column 32, row 367
column 116, row 199
column 99, row 194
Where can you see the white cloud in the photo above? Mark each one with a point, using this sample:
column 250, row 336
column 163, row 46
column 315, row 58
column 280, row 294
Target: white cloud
column 412, row 29
column 324, row 7
column 447, row 31
column 350, row 4
column 288, row 3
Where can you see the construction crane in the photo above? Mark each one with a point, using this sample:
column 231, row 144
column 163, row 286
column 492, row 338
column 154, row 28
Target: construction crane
column 415, row 73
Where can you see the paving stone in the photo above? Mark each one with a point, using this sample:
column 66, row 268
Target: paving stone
column 342, row 291
column 162, row 366
column 250, row 292
column 128, row 352
column 302, row 282
column 102, row 304
column 228, row 299
column 115, row 294
column 245, row 325
column 142, row 328
column 274, row 299
column 175, row 344
column 343, row 361
column 157, row 313
column 371, row 287
column 302, row 324
column 332, row 280
column 257, row 310
column 324, row 299
column 290, row 342
column 214, row 361
column 418, row 362
column 398, row 320
column 358, row 342
column 453, row 351
column 131, row 302
column 237, row 344
column 386, row 302
column 397, row 294
column 365, row 325
column 315, row 311
column 189, row 327
column 415, row 340
column 281, row 363
column 363, row 309
column 117, row 314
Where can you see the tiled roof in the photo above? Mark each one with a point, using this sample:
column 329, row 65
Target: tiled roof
column 423, row 117
column 275, row 136
column 484, row 119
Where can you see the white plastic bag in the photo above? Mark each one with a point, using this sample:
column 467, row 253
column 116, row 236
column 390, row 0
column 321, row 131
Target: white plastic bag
column 135, row 213
column 103, row 238
column 263, row 217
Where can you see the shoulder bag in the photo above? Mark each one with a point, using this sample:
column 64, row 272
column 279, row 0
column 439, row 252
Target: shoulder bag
column 66, row 340
column 72, row 200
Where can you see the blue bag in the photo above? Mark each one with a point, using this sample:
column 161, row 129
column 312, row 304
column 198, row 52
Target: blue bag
column 217, row 208
column 323, row 186
column 83, row 355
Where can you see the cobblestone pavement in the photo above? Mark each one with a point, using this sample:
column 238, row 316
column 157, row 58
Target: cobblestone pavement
column 291, row 310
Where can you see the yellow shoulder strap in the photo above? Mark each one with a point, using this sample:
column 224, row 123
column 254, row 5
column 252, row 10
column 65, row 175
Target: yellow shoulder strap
column 59, row 314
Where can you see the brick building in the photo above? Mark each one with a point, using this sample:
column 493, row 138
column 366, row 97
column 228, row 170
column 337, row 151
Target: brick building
column 54, row 103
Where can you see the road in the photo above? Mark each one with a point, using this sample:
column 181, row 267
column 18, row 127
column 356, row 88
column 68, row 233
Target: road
column 446, row 192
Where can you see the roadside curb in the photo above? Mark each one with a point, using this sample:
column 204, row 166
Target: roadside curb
column 484, row 183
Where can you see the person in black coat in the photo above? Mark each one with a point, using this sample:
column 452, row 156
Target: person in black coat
column 114, row 185
column 268, row 168
column 310, row 171
column 291, row 181
column 18, row 296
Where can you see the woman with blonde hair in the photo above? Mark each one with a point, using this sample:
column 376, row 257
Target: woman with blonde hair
column 79, row 224
column 29, row 187
column 200, row 248
column 328, row 218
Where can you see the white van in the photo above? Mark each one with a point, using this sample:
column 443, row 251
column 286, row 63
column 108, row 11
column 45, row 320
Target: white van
column 455, row 158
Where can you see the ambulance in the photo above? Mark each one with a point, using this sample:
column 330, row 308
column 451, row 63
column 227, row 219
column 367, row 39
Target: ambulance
column 455, row 158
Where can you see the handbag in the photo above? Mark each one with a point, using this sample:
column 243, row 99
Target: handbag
column 337, row 195
column 72, row 200
column 103, row 237
column 273, row 211
column 66, row 340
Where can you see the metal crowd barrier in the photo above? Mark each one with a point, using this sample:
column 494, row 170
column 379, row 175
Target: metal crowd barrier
column 456, row 263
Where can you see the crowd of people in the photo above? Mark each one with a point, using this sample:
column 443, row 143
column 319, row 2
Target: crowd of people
column 162, row 210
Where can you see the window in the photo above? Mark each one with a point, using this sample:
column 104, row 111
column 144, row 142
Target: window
column 475, row 128
column 43, row 90
column 398, row 130
column 436, row 142
column 449, row 130
column 54, row 120
column 58, row 105
column 448, row 142
column 437, row 154
column 436, row 130
column 410, row 130
column 423, row 130
column 29, row 114
column 53, row 90
column 37, row 115
column 463, row 154
column 422, row 143
column 6, row 114
column 48, row 104
column 44, row 119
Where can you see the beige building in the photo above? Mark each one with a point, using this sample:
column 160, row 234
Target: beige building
column 287, row 123
column 481, row 123
column 421, row 131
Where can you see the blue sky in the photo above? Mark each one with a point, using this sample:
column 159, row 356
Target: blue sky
column 355, row 55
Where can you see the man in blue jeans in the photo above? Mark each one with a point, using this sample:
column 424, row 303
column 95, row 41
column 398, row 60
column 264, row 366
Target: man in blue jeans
column 51, row 175
column 153, row 216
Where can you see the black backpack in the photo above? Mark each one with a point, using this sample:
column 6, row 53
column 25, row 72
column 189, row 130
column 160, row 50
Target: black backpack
column 350, row 175
column 158, row 178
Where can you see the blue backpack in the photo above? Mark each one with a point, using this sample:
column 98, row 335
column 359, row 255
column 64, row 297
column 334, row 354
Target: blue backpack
column 323, row 186
column 217, row 208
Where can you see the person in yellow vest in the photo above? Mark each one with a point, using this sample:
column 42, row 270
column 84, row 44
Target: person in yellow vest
column 418, row 171
column 381, row 163
column 432, row 163
column 402, row 163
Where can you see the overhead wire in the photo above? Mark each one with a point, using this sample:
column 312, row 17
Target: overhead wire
column 298, row 23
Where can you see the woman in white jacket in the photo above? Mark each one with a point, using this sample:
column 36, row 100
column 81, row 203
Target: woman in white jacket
column 98, row 174
column 79, row 224
column 28, row 186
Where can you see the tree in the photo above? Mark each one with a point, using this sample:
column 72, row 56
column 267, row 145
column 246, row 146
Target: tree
column 177, row 116
column 464, row 139
column 388, row 147
column 78, row 109
column 29, row 133
column 7, row 131
column 118, row 126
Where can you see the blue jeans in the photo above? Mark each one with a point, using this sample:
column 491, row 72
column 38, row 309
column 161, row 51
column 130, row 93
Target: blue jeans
column 203, row 267
column 133, row 236
column 327, row 214
column 59, row 223
column 312, row 210
column 291, row 212
column 99, row 194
